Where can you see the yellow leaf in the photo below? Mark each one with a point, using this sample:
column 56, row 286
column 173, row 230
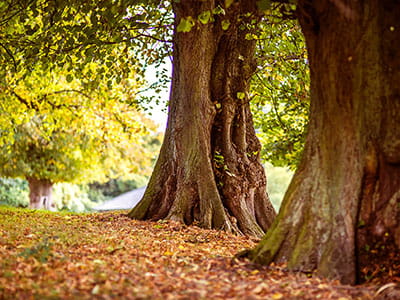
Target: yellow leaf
column 168, row 253
column 96, row 290
column 277, row 296
column 240, row 95
column 99, row 262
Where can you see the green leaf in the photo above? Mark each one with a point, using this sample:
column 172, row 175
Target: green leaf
column 225, row 24
column 204, row 17
column 251, row 36
column 69, row 78
column 218, row 11
column 185, row 25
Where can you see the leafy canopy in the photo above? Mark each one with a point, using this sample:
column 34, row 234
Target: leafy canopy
column 119, row 37
column 55, row 131
column 280, row 90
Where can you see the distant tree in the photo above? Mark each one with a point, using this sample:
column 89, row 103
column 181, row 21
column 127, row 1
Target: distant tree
column 57, row 133
column 94, row 42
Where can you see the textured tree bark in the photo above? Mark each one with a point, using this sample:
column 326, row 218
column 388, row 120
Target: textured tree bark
column 346, row 193
column 40, row 196
column 209, row 169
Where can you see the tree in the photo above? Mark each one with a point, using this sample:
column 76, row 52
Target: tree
column 57, row 133
column 209, row 169
column 345, row 195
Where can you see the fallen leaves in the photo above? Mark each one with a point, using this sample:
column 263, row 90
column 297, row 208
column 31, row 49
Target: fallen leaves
column 109, row 256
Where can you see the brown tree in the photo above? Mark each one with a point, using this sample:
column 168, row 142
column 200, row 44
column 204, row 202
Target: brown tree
column 209, row 169
column 345, row 196
column 40, row 194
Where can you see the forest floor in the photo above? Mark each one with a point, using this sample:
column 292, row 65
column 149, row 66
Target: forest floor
column 46, row 255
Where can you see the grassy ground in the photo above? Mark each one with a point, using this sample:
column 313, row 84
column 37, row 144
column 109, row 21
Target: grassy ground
column 47, row 255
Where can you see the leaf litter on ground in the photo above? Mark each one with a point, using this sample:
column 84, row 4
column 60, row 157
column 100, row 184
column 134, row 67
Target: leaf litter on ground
column 46, row 255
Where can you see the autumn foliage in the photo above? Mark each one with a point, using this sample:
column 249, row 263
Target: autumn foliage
column 46, row 255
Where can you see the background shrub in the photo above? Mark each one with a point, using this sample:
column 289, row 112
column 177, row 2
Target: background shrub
column 14, row 192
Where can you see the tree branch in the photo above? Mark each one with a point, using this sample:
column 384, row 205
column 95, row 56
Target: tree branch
column 23, row 100
column 64, row 91
column 34, row 106
column 11, row 55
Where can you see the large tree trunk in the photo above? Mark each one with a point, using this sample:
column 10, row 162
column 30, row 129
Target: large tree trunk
column 209, row 169
column 40, row 196
column 346, row 193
